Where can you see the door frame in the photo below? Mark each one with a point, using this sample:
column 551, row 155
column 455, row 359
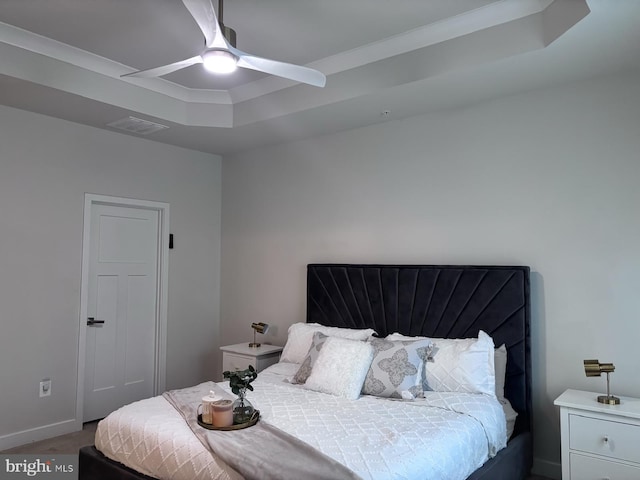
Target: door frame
column 160, row 363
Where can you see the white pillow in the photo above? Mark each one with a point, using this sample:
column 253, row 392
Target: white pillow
column 394, row 337
column 500, row 359
column 300, row 336
column 510, row 416
column 462, row 365
column 341, row 367
column 500, row 363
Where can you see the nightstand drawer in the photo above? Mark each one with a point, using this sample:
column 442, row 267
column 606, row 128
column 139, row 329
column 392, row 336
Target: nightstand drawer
column 231, row 362
column 604, row 437
column 590, row 468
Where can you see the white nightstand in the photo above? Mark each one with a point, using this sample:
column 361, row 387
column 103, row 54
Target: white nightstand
column 599, row 441
column 241, row 355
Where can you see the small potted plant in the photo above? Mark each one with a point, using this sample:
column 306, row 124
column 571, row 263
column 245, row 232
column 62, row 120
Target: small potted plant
column 240, row 382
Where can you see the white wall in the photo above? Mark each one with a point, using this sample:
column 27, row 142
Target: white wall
column 46, row 166
column 547, row 179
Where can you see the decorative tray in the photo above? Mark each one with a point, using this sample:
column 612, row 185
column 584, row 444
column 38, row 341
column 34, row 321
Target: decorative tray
column 236, row 426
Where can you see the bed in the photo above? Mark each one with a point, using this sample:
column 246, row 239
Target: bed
column 441, row 302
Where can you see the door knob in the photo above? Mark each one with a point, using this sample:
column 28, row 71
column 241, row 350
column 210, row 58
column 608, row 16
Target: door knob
column 93, row 321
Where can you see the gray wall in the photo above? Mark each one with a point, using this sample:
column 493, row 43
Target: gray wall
column 547, row 179
column 46, row 166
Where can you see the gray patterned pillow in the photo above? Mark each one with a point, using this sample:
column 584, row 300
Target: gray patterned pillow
column 305, row 369
column 397, row 366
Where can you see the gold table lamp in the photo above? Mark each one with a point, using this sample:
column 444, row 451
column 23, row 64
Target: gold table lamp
column 259, row 328
column 593, row 368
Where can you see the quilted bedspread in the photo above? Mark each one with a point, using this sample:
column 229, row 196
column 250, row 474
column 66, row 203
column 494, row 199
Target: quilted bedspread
column 444, row 436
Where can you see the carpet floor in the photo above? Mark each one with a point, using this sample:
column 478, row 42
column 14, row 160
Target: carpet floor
column 62, row 445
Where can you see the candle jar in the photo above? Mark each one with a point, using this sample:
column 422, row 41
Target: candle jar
column 206, row 407
column 222, row 413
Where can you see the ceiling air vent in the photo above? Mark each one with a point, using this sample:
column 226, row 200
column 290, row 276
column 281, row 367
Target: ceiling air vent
column 137, row 125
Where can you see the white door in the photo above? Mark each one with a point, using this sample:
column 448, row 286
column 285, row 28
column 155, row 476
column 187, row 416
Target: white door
column 122, row 299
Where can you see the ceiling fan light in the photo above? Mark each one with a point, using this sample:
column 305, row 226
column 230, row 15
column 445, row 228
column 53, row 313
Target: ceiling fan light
column 219, row 61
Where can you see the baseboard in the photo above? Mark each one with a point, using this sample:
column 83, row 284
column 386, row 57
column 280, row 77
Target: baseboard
column 38, row 433
column 548, row 469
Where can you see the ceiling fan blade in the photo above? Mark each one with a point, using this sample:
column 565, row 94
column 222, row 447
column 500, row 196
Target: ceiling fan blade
column 204, row 14
column 165, row 69
column 280, row 69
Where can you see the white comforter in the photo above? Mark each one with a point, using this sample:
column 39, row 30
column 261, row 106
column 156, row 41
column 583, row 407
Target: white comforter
column 445, row 436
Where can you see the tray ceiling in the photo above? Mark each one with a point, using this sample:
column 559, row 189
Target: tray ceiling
column 383, row 60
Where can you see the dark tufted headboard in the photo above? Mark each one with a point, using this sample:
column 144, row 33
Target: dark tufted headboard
column 440, row 301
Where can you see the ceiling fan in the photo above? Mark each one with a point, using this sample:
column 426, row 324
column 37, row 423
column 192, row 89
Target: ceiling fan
column 221, row 56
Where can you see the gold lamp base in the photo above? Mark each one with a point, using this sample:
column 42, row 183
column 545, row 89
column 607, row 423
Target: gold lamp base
column 254, row 345
column 608, row 399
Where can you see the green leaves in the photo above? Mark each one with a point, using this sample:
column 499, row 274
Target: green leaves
column 241, row 379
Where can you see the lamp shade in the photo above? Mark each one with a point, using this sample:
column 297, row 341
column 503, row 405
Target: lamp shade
column 593, row 368
column 260, row 327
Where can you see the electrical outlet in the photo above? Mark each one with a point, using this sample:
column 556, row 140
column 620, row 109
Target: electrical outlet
column 45, row 387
